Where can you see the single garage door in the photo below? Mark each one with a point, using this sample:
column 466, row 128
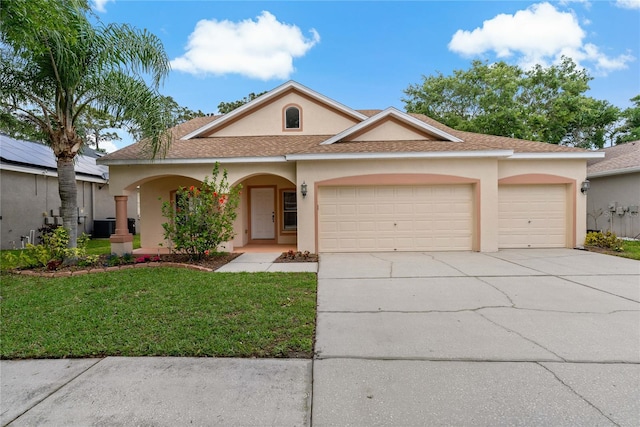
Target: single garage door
column 532, row 216
column 395, row 218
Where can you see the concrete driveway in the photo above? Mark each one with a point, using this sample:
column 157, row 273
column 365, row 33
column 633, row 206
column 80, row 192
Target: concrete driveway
column 518, row 337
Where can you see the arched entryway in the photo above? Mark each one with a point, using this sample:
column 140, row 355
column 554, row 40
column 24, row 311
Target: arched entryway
column 268, row 212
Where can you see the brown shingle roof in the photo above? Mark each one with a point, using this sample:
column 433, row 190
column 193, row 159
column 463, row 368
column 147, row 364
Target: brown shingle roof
column 280, row 145
column 617, row 158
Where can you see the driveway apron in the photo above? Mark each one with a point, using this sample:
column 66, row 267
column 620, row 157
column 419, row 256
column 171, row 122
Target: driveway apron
column 527, row 337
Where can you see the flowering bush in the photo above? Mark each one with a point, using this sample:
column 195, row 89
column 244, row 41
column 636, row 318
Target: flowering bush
column 147, row 258
column 200, row 219
column 606, row 240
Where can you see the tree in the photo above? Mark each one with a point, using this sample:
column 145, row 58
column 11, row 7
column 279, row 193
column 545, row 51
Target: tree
column 200, row 219
column 541, row 104
column 179, row 114
column 630, row 129
column 54, row 65
column 94, row 127
column 227, row 107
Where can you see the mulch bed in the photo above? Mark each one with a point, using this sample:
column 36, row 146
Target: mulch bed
column 210, row 263
column 601, row 250
column 292, row 256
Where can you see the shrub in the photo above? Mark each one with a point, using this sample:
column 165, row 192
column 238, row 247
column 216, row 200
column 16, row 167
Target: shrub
column 200, row 219
column 112, row 260
column 53, row 251
column 606, row 240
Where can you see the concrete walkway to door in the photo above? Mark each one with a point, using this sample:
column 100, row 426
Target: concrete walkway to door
column 527, row 337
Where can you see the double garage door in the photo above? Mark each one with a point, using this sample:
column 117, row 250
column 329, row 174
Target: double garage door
column 395, row 218
column 436, row 217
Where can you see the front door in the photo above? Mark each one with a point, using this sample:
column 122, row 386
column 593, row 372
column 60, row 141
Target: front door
column 263, row 218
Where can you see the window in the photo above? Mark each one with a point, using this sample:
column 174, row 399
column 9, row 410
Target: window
column 289, row 210
column 292, row 118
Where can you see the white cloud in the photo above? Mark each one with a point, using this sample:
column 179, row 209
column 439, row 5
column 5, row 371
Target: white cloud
column 628, row 4
column 586, row 3
column 537, row 35
column 108, row 146
column 262, row 49
column 99, row 5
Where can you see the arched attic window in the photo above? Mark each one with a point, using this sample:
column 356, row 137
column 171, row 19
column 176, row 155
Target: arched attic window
column 292, row 117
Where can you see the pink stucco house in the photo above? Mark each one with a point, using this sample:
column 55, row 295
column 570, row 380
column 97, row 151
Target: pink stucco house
column 329, row 178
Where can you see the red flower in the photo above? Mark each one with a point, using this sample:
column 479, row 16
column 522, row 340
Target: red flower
column 191, row 188
column 215, row 194
column 221, row 200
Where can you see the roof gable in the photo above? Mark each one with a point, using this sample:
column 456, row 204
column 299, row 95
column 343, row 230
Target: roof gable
column 282, row 92
column 400, row 120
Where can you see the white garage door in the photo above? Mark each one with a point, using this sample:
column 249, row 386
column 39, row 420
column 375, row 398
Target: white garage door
column 532, row 216
column 395, row 218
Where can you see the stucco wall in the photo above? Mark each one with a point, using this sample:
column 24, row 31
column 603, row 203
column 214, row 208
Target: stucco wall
column 483, row 173
column 620, row 190
column 158, row 181
column 486, row 172
column 389, row 130
column 316, row 119
column 28, row 198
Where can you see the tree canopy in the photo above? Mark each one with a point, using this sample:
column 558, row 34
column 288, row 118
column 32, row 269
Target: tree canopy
column 55, row 65
column 542, row 104
column 630, row 128
column 227, row 107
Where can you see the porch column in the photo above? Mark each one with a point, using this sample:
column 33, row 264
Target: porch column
column 122, row 240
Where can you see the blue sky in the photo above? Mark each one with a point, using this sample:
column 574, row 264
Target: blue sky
column 364, row 54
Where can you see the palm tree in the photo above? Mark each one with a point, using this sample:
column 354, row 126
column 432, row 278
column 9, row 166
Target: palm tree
column 55, row 64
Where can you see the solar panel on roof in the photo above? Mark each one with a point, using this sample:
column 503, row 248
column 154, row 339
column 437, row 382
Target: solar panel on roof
column 34, row 154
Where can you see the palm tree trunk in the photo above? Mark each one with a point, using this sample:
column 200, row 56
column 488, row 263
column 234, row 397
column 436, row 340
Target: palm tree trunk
column 68, row 191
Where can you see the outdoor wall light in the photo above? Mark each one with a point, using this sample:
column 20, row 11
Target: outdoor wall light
column 586, row 185
column 303, row 189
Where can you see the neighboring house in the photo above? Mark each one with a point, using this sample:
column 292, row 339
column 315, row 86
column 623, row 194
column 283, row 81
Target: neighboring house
column 614, row 196
column 329, row 178
column 30, row 199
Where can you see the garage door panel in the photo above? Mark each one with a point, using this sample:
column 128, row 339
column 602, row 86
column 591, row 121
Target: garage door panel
column 403, row 218
column 532, row 216
column 385, row 209
column 366, row 209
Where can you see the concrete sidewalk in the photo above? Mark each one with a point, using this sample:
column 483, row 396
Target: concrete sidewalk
column 158, row 391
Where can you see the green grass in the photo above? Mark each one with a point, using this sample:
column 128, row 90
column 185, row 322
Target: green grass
column 103, row 246
column 631, row 249
column 158, row 312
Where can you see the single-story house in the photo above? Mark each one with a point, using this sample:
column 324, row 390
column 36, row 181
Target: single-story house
column 30, row 199
column 614, row 197
column 328, row 178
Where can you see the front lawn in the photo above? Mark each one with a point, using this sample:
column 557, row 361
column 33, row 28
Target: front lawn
column 631, row 249
column 158, row 312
